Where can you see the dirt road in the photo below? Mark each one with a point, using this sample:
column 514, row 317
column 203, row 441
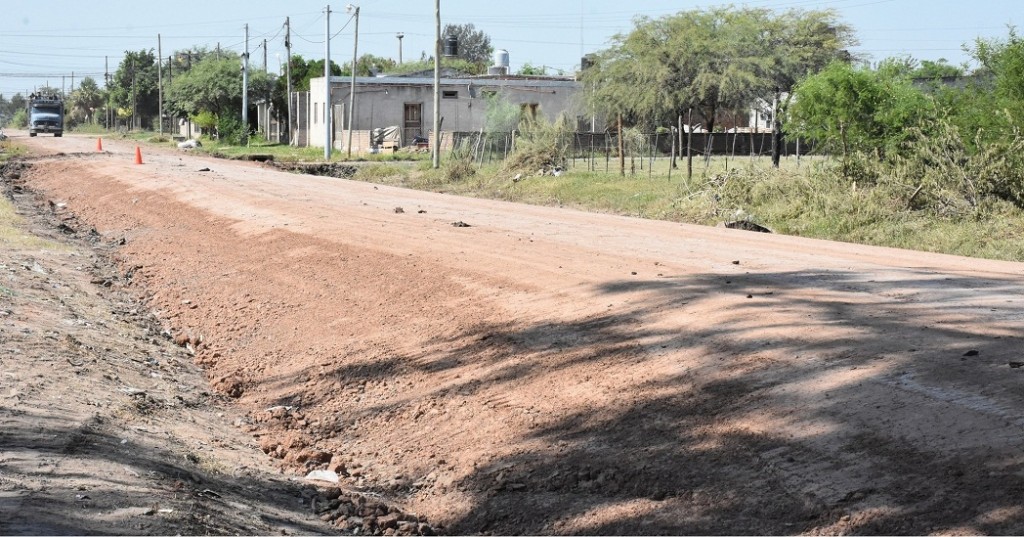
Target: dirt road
column 542, row 370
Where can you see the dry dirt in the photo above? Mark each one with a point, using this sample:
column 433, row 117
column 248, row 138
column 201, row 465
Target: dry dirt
column 539, row 370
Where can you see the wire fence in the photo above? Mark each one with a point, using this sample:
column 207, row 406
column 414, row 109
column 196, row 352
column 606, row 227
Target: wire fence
column 595, row 151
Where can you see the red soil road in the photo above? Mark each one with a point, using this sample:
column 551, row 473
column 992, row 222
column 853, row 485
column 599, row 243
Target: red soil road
column 547, row 370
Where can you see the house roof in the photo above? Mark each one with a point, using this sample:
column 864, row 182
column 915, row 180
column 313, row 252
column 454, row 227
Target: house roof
column 503, row 81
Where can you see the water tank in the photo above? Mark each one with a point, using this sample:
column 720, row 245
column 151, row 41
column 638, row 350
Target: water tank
column 501, row 58
column 497, row 70
column 451, row 46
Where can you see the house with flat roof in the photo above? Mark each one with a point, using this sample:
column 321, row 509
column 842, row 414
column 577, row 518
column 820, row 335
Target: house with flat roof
column 407, row 102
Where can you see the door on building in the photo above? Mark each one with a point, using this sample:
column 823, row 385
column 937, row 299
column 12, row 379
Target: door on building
column 413, row 126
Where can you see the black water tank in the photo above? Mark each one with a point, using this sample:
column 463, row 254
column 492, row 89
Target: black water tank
column 451, row 46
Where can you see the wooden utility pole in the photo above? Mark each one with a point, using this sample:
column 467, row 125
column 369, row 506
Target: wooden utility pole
column 689, row 144
column 776, row 132
column 106, row 77
column 622, row 150
column 436, row 156
column 352, row 90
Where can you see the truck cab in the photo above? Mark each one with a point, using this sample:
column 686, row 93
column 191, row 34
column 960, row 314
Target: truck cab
column 45, row 114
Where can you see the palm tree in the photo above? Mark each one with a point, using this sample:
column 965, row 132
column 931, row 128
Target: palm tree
column 86, row 100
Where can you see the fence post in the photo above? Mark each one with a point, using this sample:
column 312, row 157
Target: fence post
column 622, row 150
column 689, row 145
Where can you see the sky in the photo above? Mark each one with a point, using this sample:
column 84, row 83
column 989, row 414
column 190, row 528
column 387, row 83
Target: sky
column 57, row 42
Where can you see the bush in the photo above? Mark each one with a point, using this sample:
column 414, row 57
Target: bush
column 19, row 120
column 950, row 179
column 541, row 145
column 459, row 164
column 230, row 130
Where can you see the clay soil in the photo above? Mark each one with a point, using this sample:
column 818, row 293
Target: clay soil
column 530, row 370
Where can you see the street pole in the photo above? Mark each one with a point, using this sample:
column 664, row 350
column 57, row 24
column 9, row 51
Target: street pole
column 288, row 72
column 106, row 77
column 436, row 150
column 245, row 88
column 160, row 83
column 399, row 35
column 352, row 90
column 327, row 84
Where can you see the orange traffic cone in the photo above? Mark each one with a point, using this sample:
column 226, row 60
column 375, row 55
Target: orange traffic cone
column 99, row 144
column 138, row 155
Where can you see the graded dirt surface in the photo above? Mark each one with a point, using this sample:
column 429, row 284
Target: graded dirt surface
column 542, row 370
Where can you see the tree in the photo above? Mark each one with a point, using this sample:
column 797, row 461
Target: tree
column 711, row 60
column 937, row 70
column 529, row 69
column 134, row 87
column 214, row 85
column 368, row 65
column 858, row 108
column 86, row 100
column 474, row 45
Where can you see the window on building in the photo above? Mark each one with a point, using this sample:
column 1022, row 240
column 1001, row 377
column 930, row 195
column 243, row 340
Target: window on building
column 316, row 115
column 450, row 94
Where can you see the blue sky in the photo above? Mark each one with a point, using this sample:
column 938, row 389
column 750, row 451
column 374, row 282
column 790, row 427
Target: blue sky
column 45, row 42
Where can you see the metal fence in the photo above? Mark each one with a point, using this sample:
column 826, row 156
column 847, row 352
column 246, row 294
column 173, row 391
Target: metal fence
column 591, row 148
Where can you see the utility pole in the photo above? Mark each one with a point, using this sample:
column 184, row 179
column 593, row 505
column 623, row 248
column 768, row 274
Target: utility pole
column 160, row 83
column 134, row 101
column 327, row 84
column 399, row 35
column 106, row 77
column 436, row 156
column 245, row 87
column 266, row 100
column 288, row 72
column 352, row 91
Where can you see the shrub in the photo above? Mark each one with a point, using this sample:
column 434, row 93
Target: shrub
column 230, row 130
column 459, row 164
column 541, row 145
column 19, row 120
column 949, row 178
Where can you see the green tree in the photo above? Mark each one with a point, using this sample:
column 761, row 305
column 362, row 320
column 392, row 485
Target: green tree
column 936, row 70
column 214, row 85
column 368, row 65
column 474, row 45
column 859, row 108
column 711, row 60
column 85, row 101
column 529, row 69
column 426, row 65
column 134, row 87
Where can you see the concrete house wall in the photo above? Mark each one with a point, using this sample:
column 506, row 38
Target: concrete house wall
column 397, row 101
